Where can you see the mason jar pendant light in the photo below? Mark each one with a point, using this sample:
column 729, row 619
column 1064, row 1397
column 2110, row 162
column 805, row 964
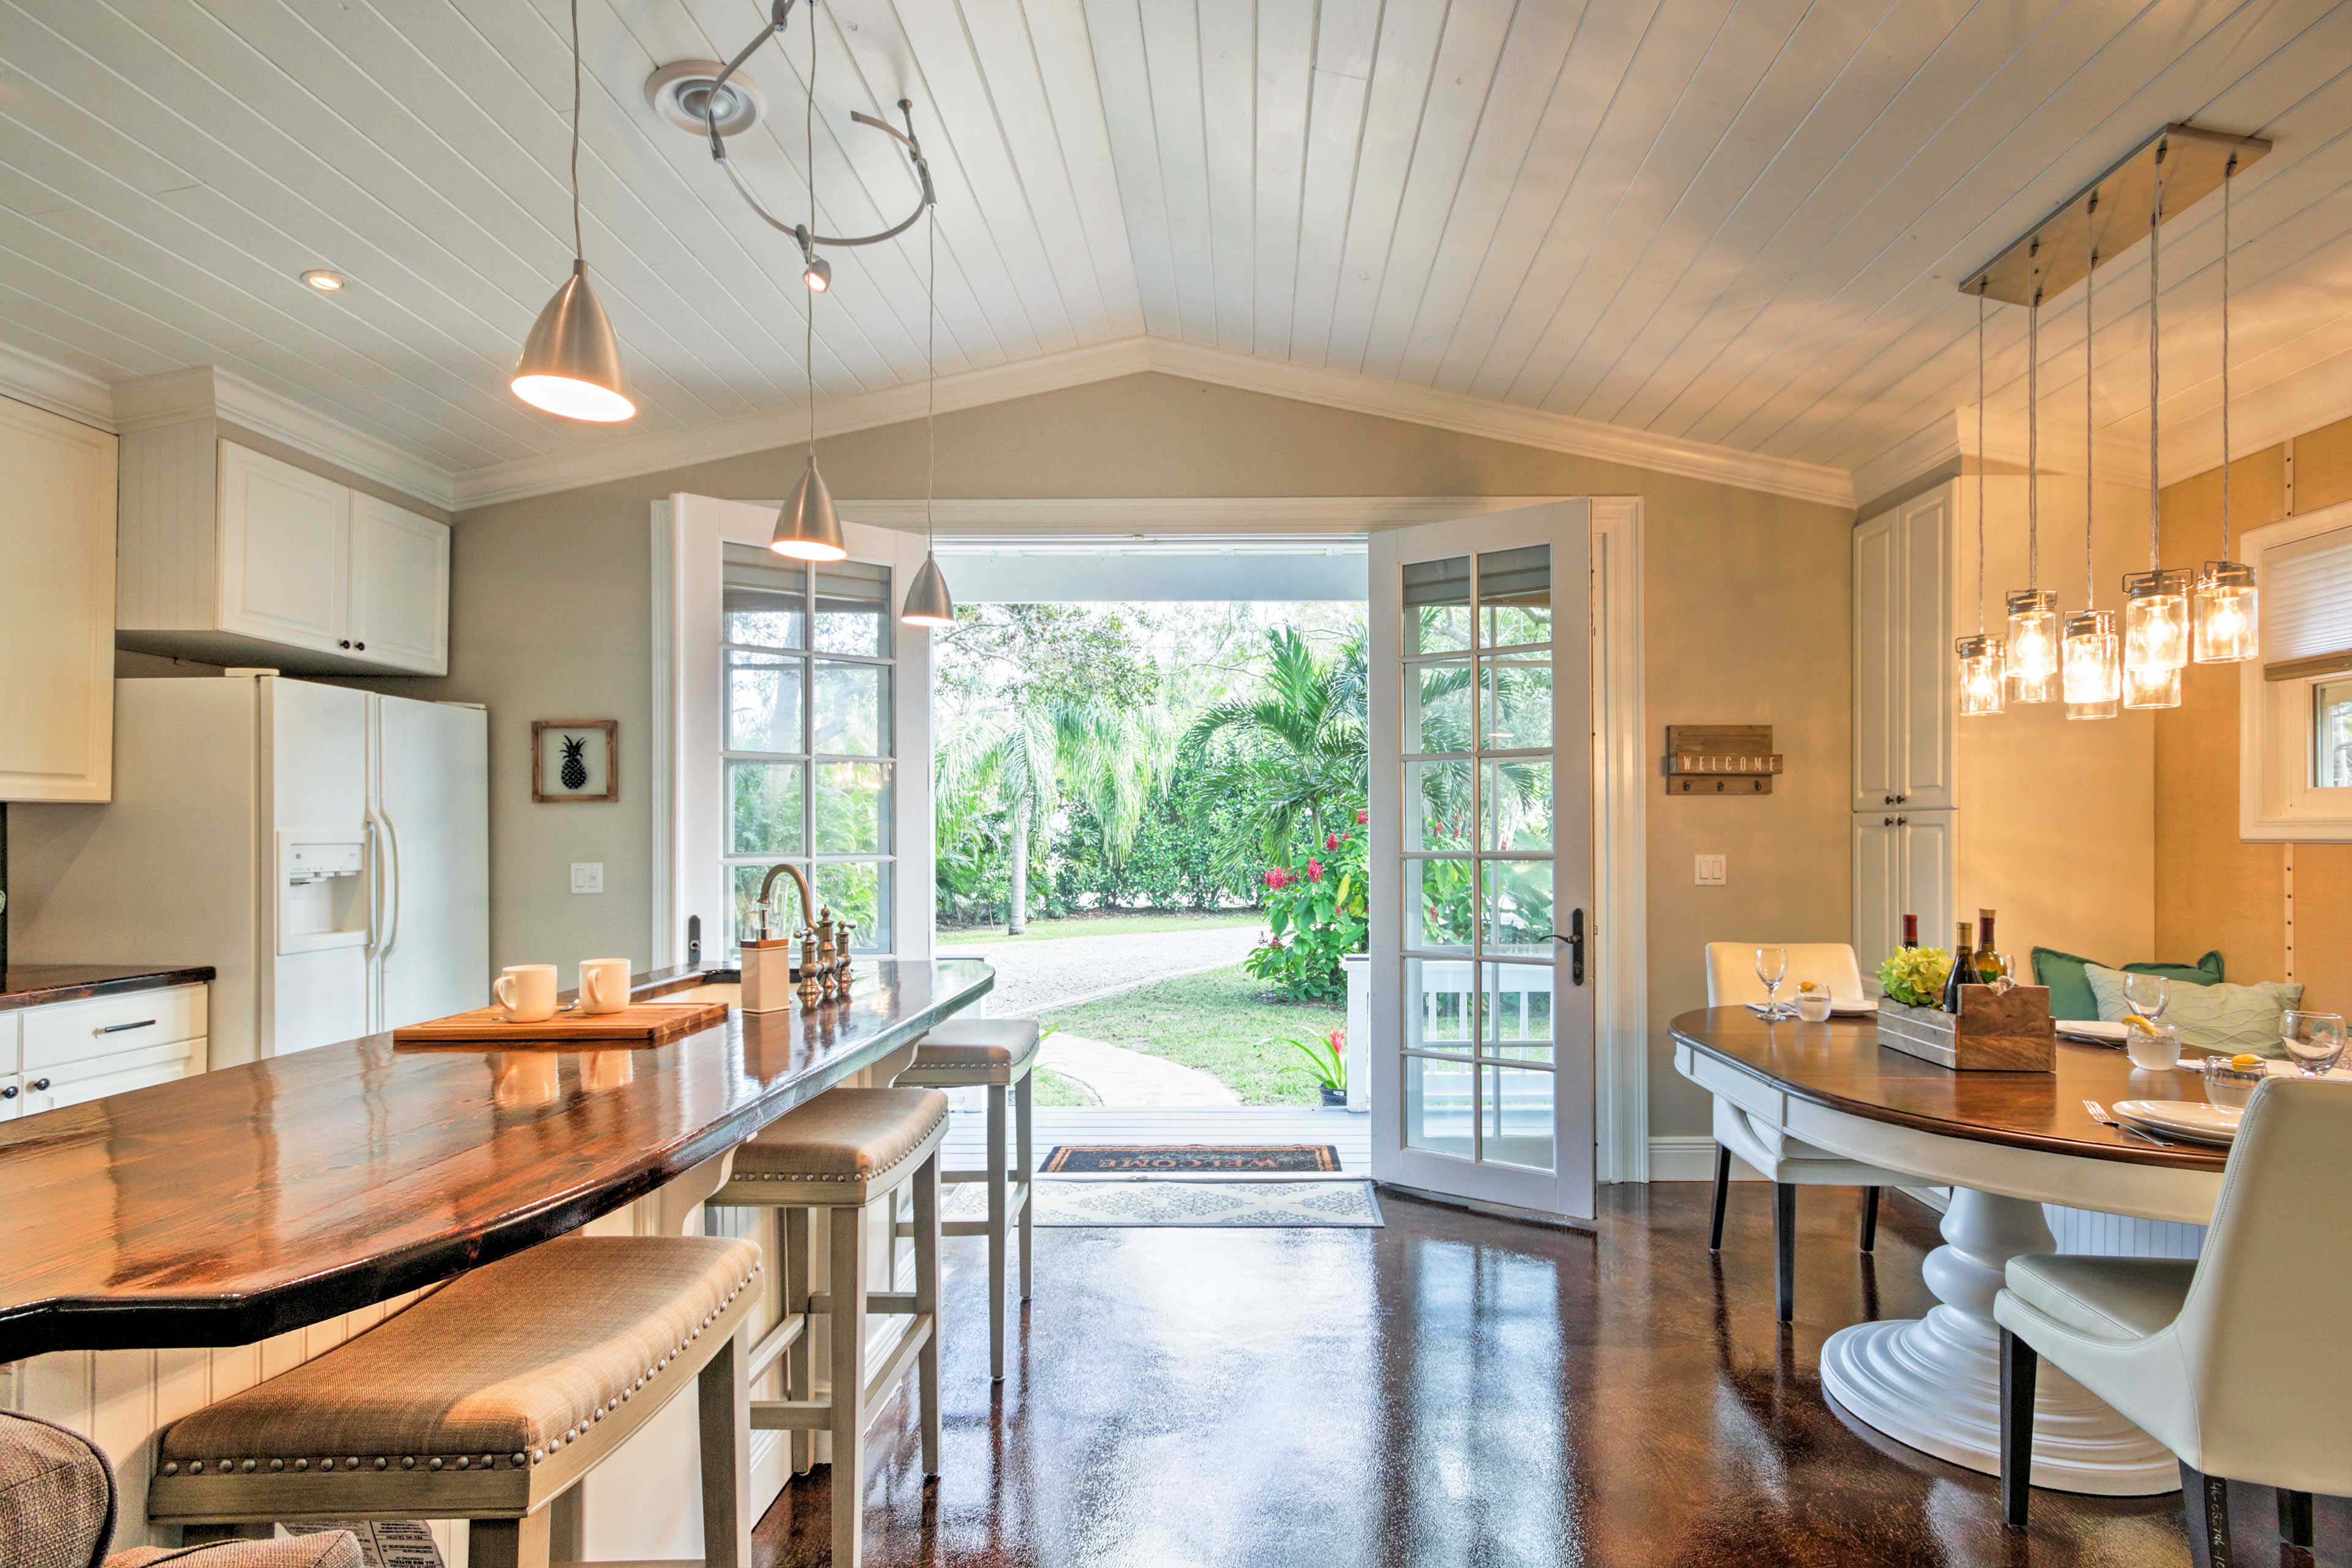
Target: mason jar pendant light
column 570, row 364
column 2091, row 662
column 927, row 601
column 2033, row 610
column 1984, row 661
column 2226, row 606
column 809, row 529
column 2156, row 602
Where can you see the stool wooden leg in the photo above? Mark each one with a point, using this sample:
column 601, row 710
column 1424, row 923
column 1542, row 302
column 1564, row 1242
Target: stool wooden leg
column 507, row 1542
column 846, row 1289
column 927, row 1303
column 725, row 1398
column 1024, row 1105
column 799, row 1356
column 996, row 1207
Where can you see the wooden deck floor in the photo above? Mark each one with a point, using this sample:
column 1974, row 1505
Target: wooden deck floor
column 1350, row 1134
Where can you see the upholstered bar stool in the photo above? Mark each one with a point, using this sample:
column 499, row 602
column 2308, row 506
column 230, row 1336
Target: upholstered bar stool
column 997, row 1055
column 487, row 1400
column 844, row 1149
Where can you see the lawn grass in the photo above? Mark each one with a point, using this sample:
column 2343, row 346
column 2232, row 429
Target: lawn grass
column 1053, row 1088
column 1217, row 1022
column 1117, row 922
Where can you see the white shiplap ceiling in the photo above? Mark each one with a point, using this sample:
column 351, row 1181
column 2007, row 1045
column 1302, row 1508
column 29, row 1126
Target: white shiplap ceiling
column 1735, row 222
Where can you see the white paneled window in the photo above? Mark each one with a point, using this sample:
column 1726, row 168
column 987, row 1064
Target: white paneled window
column 807, row 743
column 2295, row 700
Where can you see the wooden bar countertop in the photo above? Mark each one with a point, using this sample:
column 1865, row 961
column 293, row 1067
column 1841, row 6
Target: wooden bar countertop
column 236, row 1204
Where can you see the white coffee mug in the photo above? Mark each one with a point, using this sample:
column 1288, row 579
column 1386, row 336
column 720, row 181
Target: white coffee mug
column 527, row 990
column 603, row 984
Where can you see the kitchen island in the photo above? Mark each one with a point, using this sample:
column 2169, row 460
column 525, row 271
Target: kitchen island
column 241, row 1204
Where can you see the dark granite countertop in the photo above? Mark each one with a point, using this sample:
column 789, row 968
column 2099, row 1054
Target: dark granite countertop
column 33, row 984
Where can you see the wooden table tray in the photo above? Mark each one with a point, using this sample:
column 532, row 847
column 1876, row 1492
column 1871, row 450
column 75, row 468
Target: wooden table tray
column 639, row 1024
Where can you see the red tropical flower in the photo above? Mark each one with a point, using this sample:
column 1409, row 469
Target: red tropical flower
column 1339, row 1042
column 1315, row 871
column 1362, row 816
column 1331, row 841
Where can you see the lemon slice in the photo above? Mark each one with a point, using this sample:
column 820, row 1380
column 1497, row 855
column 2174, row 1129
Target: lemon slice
column 2245, row 1059
column 2133, row 1020
column 1807, row 985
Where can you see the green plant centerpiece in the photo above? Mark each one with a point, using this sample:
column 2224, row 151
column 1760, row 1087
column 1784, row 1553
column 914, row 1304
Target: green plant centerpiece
column 1915, row 976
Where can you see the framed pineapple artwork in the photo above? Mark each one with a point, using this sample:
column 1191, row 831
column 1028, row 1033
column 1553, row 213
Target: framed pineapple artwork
column 575, row 759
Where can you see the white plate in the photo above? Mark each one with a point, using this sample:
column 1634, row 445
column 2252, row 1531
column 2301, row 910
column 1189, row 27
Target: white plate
column 2192, row 1119
column 1852, row 1008
column 2091, row 1029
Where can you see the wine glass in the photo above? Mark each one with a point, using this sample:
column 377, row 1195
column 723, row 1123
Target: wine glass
column 1995, row 971
column 2149, row 994
column 2316, row 1040
column 1772, row 968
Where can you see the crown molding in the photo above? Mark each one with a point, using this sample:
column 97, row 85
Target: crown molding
column 1505, row 422
column 1148, row 521
column 44, row 384
column 627, row 456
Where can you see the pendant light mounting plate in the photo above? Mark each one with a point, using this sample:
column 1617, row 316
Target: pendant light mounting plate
column 681, row 92
column 2194, row 163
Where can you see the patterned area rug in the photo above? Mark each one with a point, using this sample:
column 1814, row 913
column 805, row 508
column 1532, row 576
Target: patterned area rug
column 1165, row 1201
column 1181, row 1159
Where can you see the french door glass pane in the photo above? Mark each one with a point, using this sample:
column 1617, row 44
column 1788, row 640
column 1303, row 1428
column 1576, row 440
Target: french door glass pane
column 764, row 808
column 1518, row 806
column 764, row 601
column 1439, row 1009
column 852, row 705
column 1437, row 805
column 1517, row 1021
column 2331, row 739
column 1514, row 597
column 1440, row 904
column 763, row 701
column 1437, row 706
column 852, row 608
column 1515, row 701
column 1517, row 909
column 1437, row 1105
column 859, row 892
column 1437, row 607
column 1516, row 1109
column 853, row 808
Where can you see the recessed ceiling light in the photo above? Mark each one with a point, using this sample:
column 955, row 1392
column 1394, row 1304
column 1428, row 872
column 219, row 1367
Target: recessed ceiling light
column 324, row 281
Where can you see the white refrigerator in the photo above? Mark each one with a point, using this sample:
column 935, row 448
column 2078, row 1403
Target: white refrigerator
column 326, row 850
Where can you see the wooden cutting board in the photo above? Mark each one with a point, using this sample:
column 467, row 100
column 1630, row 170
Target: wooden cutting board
column 639, row 1024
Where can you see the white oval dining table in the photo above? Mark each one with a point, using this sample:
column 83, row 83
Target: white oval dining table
column 2005, row 1143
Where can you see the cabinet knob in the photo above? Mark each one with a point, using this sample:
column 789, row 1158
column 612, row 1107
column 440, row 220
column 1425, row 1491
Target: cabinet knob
column 1886, row 822
column 7, row 1091
column 345, row 643
column 1889, row 801
column 360, row 646
column 38, row 1084
column 1902, row 822
column 1898, row 799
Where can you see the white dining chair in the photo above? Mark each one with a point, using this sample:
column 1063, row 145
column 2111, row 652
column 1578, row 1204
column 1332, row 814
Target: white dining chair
column 1785, row 1161
column 2228, row 1360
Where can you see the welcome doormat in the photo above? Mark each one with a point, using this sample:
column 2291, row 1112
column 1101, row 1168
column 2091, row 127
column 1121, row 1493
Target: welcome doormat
column 1190, row 1159
column 1225, row 1204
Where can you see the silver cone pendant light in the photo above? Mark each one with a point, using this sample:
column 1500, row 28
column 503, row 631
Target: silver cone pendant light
column 809, row 529
column 927, row 601
column 570, row 364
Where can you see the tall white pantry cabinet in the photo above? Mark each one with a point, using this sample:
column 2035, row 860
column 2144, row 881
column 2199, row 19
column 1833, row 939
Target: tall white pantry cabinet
column 57, row 607
column 1905, row 703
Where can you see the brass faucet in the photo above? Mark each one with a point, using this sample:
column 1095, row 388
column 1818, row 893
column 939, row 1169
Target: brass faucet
column 823, row 970
column 800, row 881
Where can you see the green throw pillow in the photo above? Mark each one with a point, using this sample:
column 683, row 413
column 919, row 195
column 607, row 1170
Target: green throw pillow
column 2071, row 995
column 2228, row 1018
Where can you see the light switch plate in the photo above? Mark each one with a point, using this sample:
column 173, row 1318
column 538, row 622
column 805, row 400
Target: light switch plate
column 587, row 876
column 1706, row 870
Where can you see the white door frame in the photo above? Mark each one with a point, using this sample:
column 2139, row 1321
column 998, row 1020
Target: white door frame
column 1620, row 922
column 689, row 533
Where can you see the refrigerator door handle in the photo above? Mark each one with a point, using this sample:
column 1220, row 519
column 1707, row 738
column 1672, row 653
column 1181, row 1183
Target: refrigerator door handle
column 392, row 903
column 374, row 883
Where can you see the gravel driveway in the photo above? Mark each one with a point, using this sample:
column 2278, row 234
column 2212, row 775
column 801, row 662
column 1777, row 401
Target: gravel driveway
column 1032, row 977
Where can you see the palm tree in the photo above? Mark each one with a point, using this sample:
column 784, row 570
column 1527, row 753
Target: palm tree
column 1295, row 745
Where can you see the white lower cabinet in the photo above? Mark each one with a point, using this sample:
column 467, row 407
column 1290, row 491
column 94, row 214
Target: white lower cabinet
column 1901, row 866
column 64, row 1053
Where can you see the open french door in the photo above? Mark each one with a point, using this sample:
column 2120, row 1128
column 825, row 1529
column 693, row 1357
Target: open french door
column 1481, row 859
column 797, row 711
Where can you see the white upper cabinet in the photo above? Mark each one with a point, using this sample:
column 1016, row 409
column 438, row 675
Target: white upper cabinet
column 1903, row 692
column 57, row 607
column 237, row 557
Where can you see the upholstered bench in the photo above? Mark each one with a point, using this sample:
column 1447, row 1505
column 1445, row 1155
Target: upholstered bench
column 841, row 1151
column 999, row 1055
column 486, row 1400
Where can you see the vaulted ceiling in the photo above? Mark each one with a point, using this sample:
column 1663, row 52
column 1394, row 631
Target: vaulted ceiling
column 1735, row 221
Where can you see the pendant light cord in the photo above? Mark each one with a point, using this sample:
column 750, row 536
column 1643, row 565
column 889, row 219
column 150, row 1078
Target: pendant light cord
column 808, row 144
column 1980, row 458
column 579, row 249
column 2156, row 375
column 931, row 375
column 2033, row 434
column 2229, row 172
column 2090, row 414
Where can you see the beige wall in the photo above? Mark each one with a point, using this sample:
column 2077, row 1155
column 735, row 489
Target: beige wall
column 2212, row 891
column 1746, row 609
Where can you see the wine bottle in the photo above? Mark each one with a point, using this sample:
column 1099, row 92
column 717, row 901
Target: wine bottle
column 1964, row 969
column 1910, row 930
column 1988, row 950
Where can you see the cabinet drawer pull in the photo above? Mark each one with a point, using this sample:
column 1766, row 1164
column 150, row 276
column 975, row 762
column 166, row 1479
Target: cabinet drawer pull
column 38, row 1085
column 118, row 1028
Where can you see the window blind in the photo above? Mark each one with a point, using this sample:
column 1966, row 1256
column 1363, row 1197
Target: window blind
column 2306, row 604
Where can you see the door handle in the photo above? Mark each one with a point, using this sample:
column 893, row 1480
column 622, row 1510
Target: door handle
column 1575, row 940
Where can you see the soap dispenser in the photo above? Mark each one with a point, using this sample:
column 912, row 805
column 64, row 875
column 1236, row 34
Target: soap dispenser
column 767, row 965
